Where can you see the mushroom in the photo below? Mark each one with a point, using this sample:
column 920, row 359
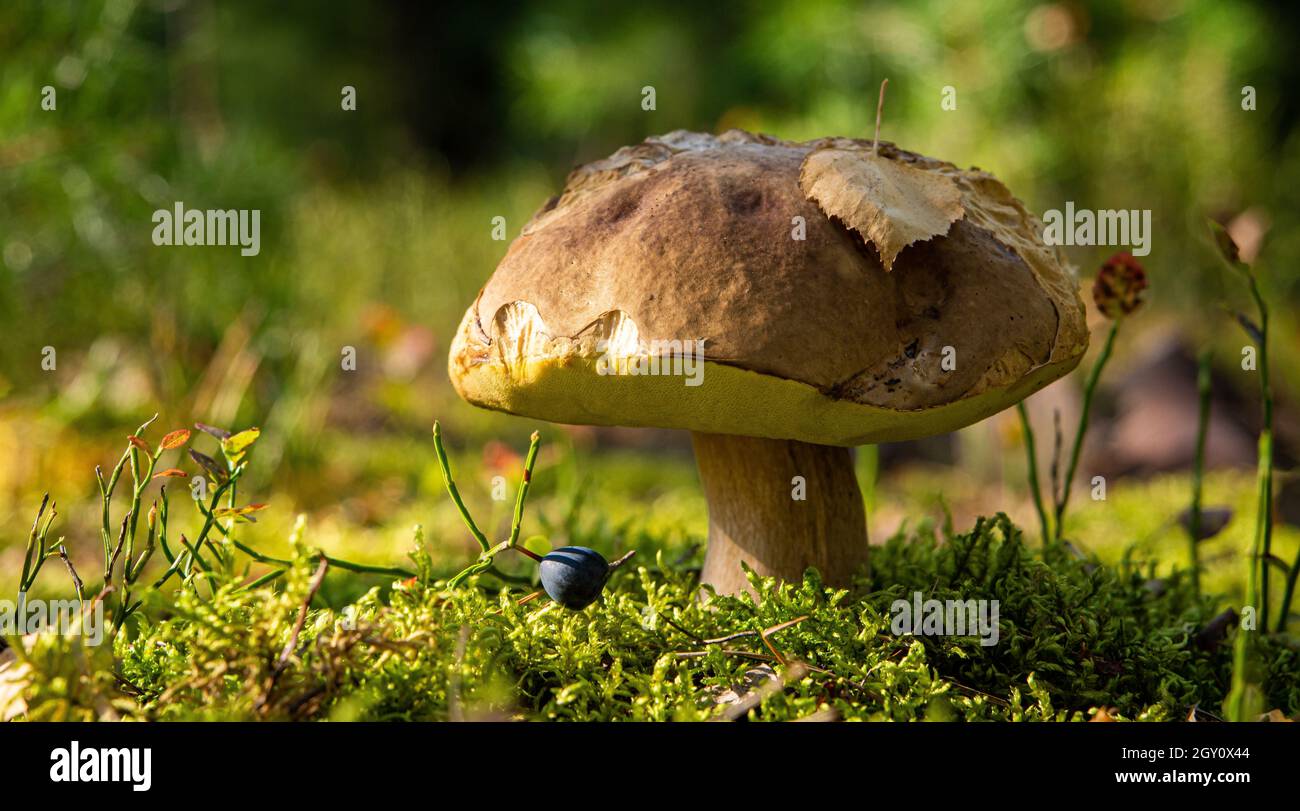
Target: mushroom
column 846, row 293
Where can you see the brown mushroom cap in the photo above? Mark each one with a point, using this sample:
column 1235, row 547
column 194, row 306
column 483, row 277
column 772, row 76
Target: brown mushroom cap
column 689, row 236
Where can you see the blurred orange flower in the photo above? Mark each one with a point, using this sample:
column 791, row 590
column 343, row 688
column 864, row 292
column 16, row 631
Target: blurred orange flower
column 498, row 457
column 1118, row 288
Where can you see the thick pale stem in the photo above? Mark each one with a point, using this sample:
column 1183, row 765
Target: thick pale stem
column 753, row 487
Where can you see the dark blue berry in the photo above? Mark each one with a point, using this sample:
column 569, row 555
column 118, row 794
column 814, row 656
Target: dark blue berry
column 574, row 576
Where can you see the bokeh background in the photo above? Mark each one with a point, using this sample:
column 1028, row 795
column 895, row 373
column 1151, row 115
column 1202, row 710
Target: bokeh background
column 377, row 233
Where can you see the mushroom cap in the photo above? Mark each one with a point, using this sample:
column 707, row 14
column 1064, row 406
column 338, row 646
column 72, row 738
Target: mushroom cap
column 806, row 335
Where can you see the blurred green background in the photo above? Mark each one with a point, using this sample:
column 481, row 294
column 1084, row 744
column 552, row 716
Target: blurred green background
column 377, row 223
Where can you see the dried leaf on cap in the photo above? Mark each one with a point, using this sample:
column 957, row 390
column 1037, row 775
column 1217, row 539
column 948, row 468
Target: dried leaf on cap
column 892, row 204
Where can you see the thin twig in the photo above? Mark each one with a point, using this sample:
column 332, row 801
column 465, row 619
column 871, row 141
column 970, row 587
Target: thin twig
column 72, row 570
column 1198, row 467
column 316, row 581
column 743, row 654
column 775, row 629
column 763, row 634
column 880, row 107
column 121, row 540
column 686, row 631
column 729, row 637
column 624, row 558
column 283, row 661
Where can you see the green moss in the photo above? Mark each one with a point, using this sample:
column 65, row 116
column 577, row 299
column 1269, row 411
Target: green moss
column 1075, row 635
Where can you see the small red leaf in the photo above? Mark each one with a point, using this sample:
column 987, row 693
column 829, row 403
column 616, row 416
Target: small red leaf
column 175, row 439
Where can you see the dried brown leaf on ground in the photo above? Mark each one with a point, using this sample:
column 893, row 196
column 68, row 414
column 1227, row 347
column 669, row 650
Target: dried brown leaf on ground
column 759, row 683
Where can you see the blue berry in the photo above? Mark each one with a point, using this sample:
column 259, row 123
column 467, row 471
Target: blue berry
column 574, row 576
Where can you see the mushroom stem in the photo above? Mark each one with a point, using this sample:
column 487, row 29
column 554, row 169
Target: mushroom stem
column 756, row 515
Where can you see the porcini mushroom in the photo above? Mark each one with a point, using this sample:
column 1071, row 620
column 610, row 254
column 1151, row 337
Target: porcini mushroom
column 846, row 293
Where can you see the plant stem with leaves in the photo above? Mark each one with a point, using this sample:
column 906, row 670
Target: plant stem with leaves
column 1264, row 516
column 38, row 550
column 1246, row 695
column 489, row 552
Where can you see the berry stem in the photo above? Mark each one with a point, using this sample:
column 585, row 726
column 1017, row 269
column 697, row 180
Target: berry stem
column 530, row 553
column 614, row 564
